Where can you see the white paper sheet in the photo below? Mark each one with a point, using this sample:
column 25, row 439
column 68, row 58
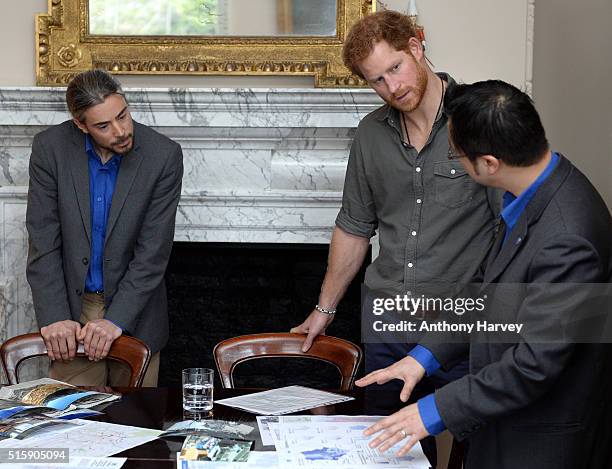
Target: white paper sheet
column 263, row 422
column 284, row 400
column 92, row 439
column 257, row 460
column 324, row 441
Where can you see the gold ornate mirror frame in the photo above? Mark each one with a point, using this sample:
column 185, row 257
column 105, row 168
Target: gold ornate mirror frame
column 66, row 48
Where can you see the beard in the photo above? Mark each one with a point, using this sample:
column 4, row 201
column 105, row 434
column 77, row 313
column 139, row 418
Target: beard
column 417, row 92
column 116, row 147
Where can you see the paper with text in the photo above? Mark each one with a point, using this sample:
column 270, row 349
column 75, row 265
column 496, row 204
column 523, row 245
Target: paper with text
column 285, row 400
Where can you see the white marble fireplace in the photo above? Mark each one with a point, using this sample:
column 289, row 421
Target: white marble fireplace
column 261, row 166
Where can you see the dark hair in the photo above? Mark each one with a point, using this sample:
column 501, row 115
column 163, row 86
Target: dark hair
column 88, row 89
column 390, row 26
column 495, row 118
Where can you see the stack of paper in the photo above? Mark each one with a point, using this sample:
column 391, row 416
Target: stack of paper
column 27, row 408
column 285, row 400
column 321, row 441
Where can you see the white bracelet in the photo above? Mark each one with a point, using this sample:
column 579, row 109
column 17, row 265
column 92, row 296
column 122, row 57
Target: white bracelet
column 326, row 311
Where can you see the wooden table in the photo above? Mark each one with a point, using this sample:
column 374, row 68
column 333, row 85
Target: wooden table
column 159, row 408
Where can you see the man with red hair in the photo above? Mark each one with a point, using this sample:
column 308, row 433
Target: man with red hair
column 434, row 223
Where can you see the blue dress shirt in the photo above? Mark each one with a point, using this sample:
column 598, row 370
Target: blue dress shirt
column 427, row 405
column 513, row 208
column 102, row 181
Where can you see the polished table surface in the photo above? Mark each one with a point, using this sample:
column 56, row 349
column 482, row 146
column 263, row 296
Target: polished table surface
column 160, row 408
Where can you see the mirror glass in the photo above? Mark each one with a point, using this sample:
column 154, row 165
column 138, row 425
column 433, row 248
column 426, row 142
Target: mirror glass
column 311, row 18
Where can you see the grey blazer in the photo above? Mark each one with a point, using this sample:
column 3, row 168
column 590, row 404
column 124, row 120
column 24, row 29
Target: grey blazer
column 138, row 238
column 538, row 405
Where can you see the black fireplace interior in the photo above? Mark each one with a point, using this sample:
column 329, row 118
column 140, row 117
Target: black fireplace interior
column 222, row 290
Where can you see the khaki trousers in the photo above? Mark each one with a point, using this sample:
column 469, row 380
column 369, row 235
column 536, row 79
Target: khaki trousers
column 83, row 372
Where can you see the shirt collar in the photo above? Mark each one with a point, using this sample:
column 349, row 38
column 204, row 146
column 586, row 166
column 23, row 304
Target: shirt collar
column 514, row 206
column 91, row 151
column 89, row 148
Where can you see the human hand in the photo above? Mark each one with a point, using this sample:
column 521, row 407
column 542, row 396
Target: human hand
column 314, row 325
column 61, row 339
column 406, row 423
column 407, row 369
column 97, row 337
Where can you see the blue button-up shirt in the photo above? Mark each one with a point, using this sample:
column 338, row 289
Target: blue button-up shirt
column 102, row 181
column 513, row 208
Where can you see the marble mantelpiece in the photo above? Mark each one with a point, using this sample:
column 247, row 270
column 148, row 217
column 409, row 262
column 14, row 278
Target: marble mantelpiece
column 260, row 166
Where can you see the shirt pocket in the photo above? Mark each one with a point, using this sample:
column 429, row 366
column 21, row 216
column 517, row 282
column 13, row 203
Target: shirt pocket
column 452, row 184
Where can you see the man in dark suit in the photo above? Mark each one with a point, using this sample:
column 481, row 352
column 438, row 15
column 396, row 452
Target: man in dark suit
column 542, row 399
column 101, row 210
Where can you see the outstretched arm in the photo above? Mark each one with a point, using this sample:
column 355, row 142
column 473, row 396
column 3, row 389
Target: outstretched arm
column 346, row 255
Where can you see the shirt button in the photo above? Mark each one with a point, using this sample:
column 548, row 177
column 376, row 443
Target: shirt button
column 413, row 233
column 453, row 171
column 418, row 169
column 410, row 264
column 419, row 201
column 99, row 199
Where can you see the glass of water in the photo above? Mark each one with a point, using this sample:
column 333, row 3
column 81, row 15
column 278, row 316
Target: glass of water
column 198, row 389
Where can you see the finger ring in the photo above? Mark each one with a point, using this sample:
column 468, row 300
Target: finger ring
column 403, row 433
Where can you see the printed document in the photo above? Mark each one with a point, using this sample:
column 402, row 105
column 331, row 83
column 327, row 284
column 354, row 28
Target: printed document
column 285, row 400
column 257, row 460
column 89, row 439
column 325, row 441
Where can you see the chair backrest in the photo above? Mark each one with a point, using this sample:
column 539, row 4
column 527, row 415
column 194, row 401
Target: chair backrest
column 128, row 350
column 344, row 355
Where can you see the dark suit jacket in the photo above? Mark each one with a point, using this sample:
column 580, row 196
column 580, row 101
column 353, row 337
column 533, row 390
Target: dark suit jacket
column 139, row 233
column 528, row 404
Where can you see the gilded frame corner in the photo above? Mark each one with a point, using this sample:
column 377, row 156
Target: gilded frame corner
column 65, row 48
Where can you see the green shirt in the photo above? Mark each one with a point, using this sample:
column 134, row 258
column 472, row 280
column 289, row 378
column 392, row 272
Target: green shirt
column 435, row 224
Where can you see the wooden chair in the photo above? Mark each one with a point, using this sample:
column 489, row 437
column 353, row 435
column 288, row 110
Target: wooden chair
column 128, row 350
column 344, row 355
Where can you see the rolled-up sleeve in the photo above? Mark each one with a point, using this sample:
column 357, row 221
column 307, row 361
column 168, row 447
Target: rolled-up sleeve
column 358, row 214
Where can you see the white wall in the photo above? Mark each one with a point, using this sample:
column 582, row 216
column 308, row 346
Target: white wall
column 475, row 39
column 17, row 42
column 572, row 83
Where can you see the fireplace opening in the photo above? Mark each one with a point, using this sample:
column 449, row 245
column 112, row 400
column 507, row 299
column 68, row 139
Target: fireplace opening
column 222, row 290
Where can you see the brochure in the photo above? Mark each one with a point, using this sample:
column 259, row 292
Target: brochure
column 47, row 392
column 11, row 409
column 210, row 448
column 29, row 407
column 21, row 428
column 216, row 428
